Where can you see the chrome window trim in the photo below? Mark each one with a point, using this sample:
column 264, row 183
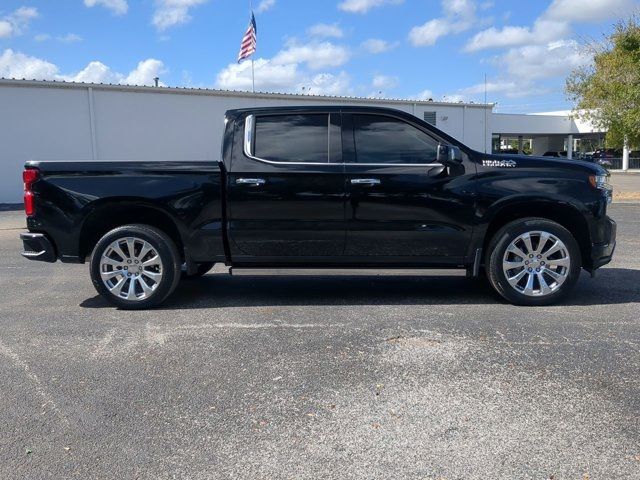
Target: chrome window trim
column 249, row 126
column 396, row 164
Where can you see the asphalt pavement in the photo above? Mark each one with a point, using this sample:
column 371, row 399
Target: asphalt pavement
column 341, row 377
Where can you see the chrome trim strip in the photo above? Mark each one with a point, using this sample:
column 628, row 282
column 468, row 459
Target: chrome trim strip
column 365, row 181
column 251, row 181
column 249, row 125
column 349, row 271
column 395, row 164
column 249, row 122
column 33, row 254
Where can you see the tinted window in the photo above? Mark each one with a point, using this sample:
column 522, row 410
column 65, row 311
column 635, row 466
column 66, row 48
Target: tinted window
column 387, row 140
column 292, row 138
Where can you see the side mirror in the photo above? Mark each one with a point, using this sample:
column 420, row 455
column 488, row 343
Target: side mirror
column 449, row 155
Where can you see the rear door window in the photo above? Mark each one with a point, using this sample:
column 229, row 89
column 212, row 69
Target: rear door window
column 292, row 138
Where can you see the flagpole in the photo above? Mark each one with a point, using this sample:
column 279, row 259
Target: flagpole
column 253, row 72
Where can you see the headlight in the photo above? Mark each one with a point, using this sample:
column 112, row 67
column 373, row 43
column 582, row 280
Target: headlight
column 601, row 182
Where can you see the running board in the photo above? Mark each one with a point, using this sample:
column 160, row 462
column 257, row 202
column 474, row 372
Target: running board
column 315, row 272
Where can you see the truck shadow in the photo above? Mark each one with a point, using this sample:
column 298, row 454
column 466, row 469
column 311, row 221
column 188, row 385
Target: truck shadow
column 611, row 286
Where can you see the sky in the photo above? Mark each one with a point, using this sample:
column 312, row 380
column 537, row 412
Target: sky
column 414, row 49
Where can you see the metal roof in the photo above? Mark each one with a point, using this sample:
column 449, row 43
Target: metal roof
column 223, row 93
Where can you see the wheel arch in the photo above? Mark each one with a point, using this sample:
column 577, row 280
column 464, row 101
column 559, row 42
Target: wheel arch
column 561, row 212
column 108, row 215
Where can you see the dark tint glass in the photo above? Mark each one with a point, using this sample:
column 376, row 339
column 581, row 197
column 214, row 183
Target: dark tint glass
column 387, row 140
column 292, row 138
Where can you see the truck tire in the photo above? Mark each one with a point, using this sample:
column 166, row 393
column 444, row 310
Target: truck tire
column 135, row 267
column 201, row 270
column 533, row 261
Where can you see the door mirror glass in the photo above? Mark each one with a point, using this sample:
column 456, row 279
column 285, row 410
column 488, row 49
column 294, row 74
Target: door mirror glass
column 449, row 155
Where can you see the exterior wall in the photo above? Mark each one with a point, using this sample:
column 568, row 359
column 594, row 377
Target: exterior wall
column 48, row 121
column 539, row 124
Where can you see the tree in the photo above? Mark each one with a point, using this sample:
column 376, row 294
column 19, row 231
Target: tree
column 607, row 92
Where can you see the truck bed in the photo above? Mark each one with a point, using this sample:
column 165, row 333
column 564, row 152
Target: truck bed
column 74, row 200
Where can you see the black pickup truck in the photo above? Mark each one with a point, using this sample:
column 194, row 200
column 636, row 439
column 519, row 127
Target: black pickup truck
column 323, row 187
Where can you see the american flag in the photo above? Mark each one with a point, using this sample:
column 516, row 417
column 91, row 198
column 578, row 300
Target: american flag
column 248, row 45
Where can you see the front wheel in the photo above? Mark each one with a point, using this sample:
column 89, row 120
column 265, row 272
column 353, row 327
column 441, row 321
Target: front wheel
column 135, row 267
column 533, row 261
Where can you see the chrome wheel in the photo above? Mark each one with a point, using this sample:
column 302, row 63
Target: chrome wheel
column 536, row 263
column 131, row 268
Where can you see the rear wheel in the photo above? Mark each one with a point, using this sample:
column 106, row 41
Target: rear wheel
column 533, row 261
column 135, row 266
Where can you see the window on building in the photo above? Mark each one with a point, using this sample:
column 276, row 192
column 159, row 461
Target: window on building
column 292, row 138
column 381, row 139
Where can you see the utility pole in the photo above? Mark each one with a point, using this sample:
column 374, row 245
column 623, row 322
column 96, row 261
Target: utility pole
column 253, row 71
column 485, row 113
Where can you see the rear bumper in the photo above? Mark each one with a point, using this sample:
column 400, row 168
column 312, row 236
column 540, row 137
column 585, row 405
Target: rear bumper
column 601, row 253
column 38, row 247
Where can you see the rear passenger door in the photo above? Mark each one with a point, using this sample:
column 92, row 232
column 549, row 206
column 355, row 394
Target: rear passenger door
column 285, row 187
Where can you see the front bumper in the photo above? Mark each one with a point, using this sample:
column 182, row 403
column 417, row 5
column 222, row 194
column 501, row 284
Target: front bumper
column 38, row 247
column 601, row 253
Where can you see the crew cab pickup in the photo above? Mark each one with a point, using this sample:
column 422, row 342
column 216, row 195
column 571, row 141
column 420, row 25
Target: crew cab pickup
column 323, row 187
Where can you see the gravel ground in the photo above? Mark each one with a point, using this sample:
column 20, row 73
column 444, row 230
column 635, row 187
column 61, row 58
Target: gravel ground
column 319, row 377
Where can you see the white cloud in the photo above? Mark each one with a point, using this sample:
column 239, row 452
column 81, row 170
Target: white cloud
column 554, row 24
column 329, row 84
column 316, row 55
column 555, row 59
column 385, row 82
column 18, row 65
column 460, row 15
column 542, row 31
column 117, row 7
column 17, row 22
column 375, row 45
column 169, row 13
column 68, row 38
column 363, row 6
column 511, row 88
column 527, row 67
column 324, row 30
column 454, row 98
column 589, row 11
column 429, row 33
column 462, row 8
column 95, row 72
column 286, row 78
column 424, row 95
column 6, row 30
column 145, row 72
column 291, row 71
column 491, row 87
column 265, row 5
column 269, row 76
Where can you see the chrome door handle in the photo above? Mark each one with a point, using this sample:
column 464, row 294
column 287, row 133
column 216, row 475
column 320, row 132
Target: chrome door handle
column 254, row 182
column 365, row 181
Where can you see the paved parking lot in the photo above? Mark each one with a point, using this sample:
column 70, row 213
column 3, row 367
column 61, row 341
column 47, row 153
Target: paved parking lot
column 319, row 377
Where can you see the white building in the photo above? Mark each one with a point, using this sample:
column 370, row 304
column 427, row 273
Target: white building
column 74, row 121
